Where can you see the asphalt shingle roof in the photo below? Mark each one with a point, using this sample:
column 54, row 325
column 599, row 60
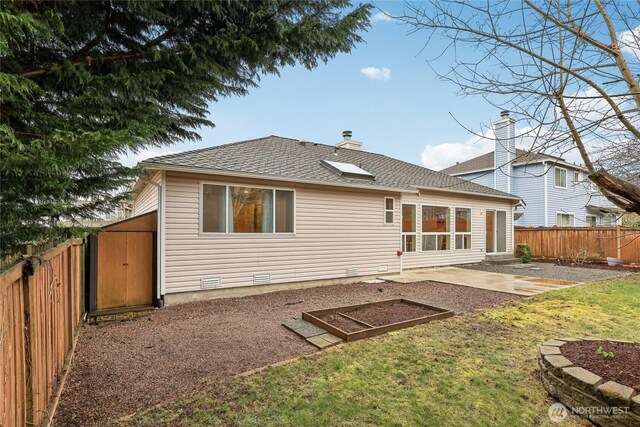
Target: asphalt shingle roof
column 485, row 161
column 291, row 159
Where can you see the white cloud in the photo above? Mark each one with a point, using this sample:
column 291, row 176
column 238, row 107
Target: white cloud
column 132, row 159
column 441, row 156
column 376, row 73
column 630, row 42
column 382, row 16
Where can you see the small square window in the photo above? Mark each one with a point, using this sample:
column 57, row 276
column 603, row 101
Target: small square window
column 463, row 241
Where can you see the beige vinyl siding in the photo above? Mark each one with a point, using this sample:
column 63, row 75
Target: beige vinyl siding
column 336, row 229
column 478, row 225
column 147, row 199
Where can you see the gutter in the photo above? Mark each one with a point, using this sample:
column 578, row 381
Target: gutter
column 546, row 193
column 159, row 302
column 413, row 190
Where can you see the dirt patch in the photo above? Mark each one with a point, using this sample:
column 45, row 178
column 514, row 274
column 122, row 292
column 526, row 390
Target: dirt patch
column 341, row 322
column 595, row 265
column 623, row 367
column 380, row 315
column 124, row 367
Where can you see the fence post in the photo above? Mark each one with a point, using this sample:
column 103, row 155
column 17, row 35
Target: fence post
column 29, row 324
column 70, row 284
column 618, row 243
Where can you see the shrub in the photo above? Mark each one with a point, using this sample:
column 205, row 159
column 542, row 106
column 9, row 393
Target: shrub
column 523, row 250
column 582, row 256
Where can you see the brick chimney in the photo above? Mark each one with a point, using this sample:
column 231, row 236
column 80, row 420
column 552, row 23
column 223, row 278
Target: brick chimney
column 505, row 151
column 348, row 143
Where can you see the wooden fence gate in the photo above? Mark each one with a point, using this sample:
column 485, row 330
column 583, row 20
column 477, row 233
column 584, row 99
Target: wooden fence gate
column 125, row 256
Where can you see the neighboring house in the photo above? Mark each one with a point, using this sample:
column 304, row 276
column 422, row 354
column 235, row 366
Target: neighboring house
column 277, row 210
column 555, row 192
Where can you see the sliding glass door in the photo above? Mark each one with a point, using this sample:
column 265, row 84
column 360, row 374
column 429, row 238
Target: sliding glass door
column 496, row 231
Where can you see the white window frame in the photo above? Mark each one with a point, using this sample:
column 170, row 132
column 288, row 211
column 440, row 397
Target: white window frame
column 566, row 174
column 586, row 220
column 576, row 177
column 414, row 233
column 392, row 210
column 495, row 228
column 455, row 231
column 610, row 217
column 201, row 185
column 571, row 214
column 439, row 233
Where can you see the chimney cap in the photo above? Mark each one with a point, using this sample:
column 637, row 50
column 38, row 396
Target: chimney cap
column 346, row 134
column 504, row 113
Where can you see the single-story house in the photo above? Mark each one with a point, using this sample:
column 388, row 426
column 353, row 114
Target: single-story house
column 277, row 210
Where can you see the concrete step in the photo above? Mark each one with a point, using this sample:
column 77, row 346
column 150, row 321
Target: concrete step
column 502, row 261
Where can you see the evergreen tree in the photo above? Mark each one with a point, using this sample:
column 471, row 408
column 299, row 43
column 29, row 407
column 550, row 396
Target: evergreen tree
column 82, row 82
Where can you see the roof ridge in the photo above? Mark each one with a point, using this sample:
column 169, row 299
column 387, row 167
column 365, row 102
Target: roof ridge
column 198, row 150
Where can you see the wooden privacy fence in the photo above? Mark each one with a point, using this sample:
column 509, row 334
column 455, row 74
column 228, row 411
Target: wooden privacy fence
column 556, row 242
column 41, row 305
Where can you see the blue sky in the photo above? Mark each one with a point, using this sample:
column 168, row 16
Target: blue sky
column 398, row 116
column 383, row 91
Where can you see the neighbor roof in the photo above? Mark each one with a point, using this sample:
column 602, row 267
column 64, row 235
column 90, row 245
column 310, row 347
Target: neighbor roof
column 275, row 157
column 485, row 162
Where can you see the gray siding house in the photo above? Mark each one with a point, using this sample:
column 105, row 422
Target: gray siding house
column 555, row 192
column 280, row 212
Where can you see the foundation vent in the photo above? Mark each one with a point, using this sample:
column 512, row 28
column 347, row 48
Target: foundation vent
column 210, row 283
column 353, row 271
column 383, row 268
column 262, row 279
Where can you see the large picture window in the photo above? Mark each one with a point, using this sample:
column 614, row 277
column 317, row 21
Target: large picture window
column 435, row 228
column 409, row 228
column 234, row 209
column 463, row 228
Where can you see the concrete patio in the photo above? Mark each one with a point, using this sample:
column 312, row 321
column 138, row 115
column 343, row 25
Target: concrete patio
column 509, row 283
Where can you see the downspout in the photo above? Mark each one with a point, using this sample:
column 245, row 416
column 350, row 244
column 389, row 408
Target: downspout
column 159, row 302
column 546, row 194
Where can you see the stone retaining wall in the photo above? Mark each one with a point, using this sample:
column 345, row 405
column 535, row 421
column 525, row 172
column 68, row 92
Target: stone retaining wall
column 603, row 402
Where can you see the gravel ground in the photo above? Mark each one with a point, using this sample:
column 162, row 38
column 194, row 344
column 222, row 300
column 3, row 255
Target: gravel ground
column 549, row 271
column 123, row 367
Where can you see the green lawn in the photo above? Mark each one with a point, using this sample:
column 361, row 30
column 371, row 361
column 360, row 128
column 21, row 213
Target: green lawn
column 476, row 369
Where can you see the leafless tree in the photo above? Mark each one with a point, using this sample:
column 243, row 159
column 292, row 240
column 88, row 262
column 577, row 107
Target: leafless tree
column 568, row 69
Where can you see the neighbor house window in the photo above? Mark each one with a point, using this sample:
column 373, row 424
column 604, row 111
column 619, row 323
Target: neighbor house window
column 230, row 209
column 436, row 234
column 561, row 177
column 463, row 228
column 590, row 221
column 388, row 210
column 409, row 228
column 565, row 220
column 607, row 220
column 576, row 177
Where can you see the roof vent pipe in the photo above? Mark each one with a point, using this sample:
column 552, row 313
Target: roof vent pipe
column 346, row 134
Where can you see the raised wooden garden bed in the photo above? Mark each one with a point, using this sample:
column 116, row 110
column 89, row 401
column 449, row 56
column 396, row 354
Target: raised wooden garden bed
column 354, row 322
